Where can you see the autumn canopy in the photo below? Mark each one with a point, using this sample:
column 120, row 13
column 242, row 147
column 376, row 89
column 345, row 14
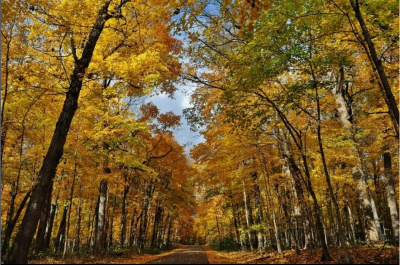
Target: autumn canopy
column 297, row 103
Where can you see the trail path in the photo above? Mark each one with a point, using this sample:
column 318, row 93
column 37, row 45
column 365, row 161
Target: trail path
column 189, row 255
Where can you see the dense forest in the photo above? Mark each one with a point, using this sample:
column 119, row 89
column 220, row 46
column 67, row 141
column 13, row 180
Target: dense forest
column 297, row 102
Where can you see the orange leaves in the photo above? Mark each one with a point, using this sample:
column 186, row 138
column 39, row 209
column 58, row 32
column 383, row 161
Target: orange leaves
column 169, row 120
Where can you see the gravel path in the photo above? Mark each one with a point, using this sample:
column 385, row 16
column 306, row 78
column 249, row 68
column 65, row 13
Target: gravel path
column 190, row 255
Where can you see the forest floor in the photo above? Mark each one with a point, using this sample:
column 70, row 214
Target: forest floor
column 360, row 255
column 196, row 255
column 127, row 258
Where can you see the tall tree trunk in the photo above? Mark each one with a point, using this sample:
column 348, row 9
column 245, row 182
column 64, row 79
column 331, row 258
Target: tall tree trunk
column 278, row 241
column 71, row 198
column 60, row 239
column 377, row 63
column 344, row 111
column 50, row 224
column 78, row 227
column 101, row 219
column 23, row 240
column 10, row 228
column 123, row 217
column 219, row 231
column 44, row 219
column 169, row 233
column 157, row 218
column 247, row 216
column 371, row 233
column 391, row 195
column 342, row 237
column 376, row 216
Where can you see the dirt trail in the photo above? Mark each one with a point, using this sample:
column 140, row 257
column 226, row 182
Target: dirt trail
column 189, row 255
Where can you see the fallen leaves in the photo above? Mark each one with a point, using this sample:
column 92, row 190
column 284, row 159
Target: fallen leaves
column 360, row 255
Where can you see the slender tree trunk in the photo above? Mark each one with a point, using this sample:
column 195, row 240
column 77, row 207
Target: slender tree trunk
column 376, row 217
column 50, row 224
column 4, row 123
column 391, row 195
column 169, row 233
column 278, row 241
column 61, row 232
column 342, row 237
column 101, row 219
column 157, row 219
column 23, row 240
column 70, row 204
column 219, row 232
column 78, row 227
column 247, row 216
column 11, row 225
column 123, row 217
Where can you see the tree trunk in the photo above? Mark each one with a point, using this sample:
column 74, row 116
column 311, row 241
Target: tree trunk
column 371, row 233
column 11, row 225
column 278, row 241
column 123, row 218
column 219, row 232
column 376, row 217
column 23, row 240
column 169, row 233
column 100, row 225
column 44, row 219
column 78, row 227
column 50, row 224
column 157, row 218
column 61, row 232
column 70, row 203
column 342, row 237
column 391, row 195
column 344, row 111
column 247, row 216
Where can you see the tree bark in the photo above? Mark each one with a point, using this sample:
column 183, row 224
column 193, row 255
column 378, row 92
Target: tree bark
column 358, row 175
column 123, row 217
column 391, row 195
column 61, row 232
column 23, row 240
column 247, row 216
column 78, row 227
column 371, row 233
column 10, row 227
column 44, row 219
column 50, row 224
column 100, row 225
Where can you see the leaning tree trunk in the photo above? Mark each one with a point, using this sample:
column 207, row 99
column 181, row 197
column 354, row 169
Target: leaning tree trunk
column 23, row 240
column 101, row 216
column 44, row 219
column 391, row 195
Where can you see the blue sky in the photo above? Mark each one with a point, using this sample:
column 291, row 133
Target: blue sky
column 181, row 101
